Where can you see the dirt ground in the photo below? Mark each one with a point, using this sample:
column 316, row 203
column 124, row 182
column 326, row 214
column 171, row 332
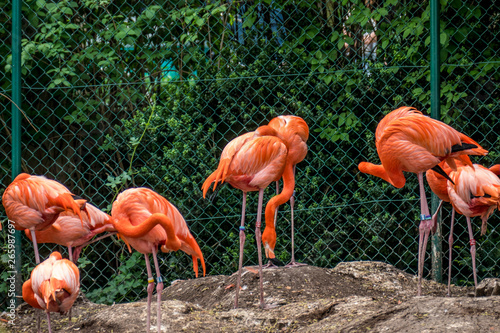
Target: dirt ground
column 352, row 297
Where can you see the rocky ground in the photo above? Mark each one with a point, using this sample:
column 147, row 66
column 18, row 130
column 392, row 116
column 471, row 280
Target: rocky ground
column 352, row 297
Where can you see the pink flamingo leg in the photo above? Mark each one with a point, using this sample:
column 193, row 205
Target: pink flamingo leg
column 159, row 288
column 258, row 238
column 38, row 321
column 450, row 249
column 424, row 231
column 242, row 246
column 151, row 285
column 70, row 254
column 293, row 263
column 276, row 211
column 35, row 246
column 472, row 251
column 48, row 322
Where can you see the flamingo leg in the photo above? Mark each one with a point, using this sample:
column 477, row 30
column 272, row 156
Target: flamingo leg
column 151, row 285
column 79, row 249
column 159, row 288
column 293, row 263
column 258, row 238
column 242, row 246
column 48, row 322
column 472, row 251
column 35, row 246
column 70, row 254
column 270, row 263
column 434, row 217
column 450, row 249
column 424, row 231
column 38, row 328
column 276, row 211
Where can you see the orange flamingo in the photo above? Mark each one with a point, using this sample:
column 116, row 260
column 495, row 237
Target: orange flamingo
column 146, row 220
column 475, row 191
column 251, row 162
column 406, row 140
column 53, row 286
column 35, row 202
column 68, row 231
column 294, row 132
column 439, row 185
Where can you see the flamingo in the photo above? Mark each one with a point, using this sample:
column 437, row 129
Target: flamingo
column 406, row 140
column 251, row 162
column 475, row 191
column 294, row 132
column 53, row 286
column 35, row 202
column 68, row 231
column 439, row 185
column 145, row 220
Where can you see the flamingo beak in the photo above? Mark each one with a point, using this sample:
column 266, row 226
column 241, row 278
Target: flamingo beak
column 269, row 251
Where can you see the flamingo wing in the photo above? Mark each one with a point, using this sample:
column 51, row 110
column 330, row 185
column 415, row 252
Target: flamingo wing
column 33, row 201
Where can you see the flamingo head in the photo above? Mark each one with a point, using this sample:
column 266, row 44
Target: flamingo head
column 269, row 241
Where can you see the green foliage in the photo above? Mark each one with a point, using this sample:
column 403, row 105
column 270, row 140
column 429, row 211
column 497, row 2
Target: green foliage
column 126, row 283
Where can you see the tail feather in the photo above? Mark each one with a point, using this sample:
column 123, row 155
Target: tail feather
column 190, row 246
column 469, row 146
column 68, row 202
column 217, row 176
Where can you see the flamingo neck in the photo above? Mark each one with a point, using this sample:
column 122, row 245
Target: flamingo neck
column 125, row 228
column 284, row 196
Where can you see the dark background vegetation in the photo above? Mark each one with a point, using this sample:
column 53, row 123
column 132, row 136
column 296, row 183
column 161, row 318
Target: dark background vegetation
column 147, row 93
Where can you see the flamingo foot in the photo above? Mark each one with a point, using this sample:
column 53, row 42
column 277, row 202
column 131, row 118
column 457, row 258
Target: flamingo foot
column 295, row 264
column 273, row 263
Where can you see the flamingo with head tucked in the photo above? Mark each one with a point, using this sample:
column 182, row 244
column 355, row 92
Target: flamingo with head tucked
column 406, row 140
column 53, row 286
column 68, row 230
column 475, row 191
column 440, row 186
column 146, row 220
column 35, row 202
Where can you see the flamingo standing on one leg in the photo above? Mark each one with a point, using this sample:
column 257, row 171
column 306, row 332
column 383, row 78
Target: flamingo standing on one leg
column 146, row 220
column 35, row 202
column 250, row 162
column 68, row 231
column 294, row 132
column 53, row 286
column 475, row 191
column 407, row 140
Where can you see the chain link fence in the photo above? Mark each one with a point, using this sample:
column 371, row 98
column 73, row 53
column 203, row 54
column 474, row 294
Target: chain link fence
column 118, row 94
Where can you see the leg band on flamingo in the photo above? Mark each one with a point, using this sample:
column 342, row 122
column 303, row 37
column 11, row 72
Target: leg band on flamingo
column 159, row 279
column 151, row 279
column 424, row 217
column 473, row 242
column 242, row 228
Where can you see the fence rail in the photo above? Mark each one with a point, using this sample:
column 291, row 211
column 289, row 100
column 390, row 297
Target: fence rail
column 117, row 94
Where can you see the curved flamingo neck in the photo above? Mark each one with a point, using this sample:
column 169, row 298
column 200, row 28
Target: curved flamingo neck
column 125, row 228
column 284, row 196
column 395, row 178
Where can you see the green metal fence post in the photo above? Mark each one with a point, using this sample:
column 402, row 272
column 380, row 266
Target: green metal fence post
column 436, row 242
column 16, row 122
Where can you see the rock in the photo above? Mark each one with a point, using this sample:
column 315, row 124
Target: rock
column 488, row 287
